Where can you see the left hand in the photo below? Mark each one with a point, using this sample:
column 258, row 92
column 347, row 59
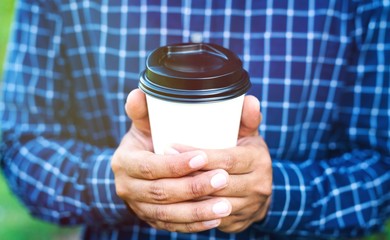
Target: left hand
column 250, row 172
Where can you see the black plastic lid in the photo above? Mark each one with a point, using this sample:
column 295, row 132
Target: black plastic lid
column 194, row 73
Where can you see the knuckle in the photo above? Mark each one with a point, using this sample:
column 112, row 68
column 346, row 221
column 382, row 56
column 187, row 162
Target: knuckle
column 115, row 163
column 198, row 214
column 157, row 192
column 197, row 188
column 267, row 190
column 161, row 214
column 171, row 227
column 121, row 191
column 146, row 170
column 189, row 227
column 263, row 190
column 174, row 169
column 233, row 227
column 141, row 214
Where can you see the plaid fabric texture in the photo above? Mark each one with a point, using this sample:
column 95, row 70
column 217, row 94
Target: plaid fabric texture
column 321, row 70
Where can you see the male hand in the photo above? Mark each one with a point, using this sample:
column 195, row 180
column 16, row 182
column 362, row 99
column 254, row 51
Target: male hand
column 161, row 189
column 250, row 172
column 169, row 192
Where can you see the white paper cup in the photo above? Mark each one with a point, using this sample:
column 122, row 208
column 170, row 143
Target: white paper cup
column 195, row 94
column 210, row 125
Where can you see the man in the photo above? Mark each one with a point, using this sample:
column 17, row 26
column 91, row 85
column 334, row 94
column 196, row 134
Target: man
column 317, row 166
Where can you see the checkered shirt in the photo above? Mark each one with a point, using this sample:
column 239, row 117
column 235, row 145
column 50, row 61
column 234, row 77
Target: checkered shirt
column 321, row 70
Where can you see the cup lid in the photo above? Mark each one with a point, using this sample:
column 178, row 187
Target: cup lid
column 194, row 72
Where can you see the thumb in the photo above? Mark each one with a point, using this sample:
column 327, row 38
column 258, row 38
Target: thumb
column 137, row 110
column 251, row 117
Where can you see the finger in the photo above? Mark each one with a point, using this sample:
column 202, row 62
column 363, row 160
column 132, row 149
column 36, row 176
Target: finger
column 186, row 227
column 243, row 214
column 250, row 152
column 242, row 159
column 147, row 165
column 246, row 205
column 235, row 188
column 236, row 160
column 137, row 110
column 164, row 191
column 247, row 185
column 251, row 117
column 135, row 106
column 234, row 224
column 184, row 212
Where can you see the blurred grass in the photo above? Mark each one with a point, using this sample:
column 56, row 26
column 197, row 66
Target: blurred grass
column 6, row 14
column 15, row 222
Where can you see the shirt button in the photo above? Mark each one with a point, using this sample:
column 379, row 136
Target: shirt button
column 196, row 37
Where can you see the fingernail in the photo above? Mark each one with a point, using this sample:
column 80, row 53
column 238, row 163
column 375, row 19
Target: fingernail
column 211, row 223
column 197, row 161
column 170, row 151
column 221, row 208
column 218, row 180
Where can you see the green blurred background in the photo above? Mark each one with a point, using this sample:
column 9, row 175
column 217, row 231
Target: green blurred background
column 15, row 222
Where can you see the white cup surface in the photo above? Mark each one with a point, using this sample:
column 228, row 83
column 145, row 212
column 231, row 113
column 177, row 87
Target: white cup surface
column 207, row 125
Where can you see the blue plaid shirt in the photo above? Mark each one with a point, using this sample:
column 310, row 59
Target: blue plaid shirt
column 320, row 68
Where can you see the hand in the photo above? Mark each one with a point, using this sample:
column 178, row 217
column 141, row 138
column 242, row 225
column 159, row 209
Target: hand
column 160, row 189
column 250, row 182
column 250, row 172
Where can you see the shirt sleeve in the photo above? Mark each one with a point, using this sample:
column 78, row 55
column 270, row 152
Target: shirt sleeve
column 348, row 194
column 56, row 175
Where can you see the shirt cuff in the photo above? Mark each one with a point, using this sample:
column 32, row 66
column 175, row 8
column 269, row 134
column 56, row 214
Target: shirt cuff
column 290, row 206
column 105, row 204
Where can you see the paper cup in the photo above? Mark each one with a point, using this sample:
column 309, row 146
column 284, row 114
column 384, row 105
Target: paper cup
column 212, row 125
column 195, row 94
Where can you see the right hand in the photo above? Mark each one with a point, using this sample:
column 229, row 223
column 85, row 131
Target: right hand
column 162, row 189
